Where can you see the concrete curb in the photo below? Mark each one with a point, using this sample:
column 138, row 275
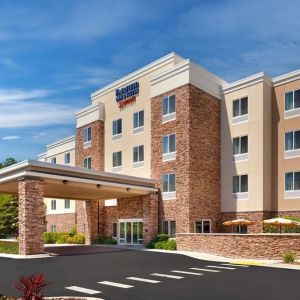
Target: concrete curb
column 242, row 261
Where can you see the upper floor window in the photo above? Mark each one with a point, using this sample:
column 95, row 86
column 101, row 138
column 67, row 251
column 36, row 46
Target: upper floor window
column 87, row 163
column 169, row 147
column 292, row 100
column 240, row 184
column 138, row 154
column 169, row 108
column 67, row 203
column 169, row 187
column 203, row 226
column 292, row 181
column 87, row 136
column 53, row 204
column 138, row 119
column 117, row 159
column 53, row 160
column 292, row 140
column 240, row 145
column 67, row 158
column 240, row 107
column 117, row 129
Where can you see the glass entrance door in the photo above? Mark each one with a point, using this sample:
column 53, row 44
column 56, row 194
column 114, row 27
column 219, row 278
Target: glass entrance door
column 131, row 232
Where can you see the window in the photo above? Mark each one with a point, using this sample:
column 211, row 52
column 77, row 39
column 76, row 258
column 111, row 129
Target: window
column 169, row 147
column 117, row 127
column 241, row 229
column 292, row 181
column 53, row 160
column 138, row 119
column 169, row 105
column 67, row 203
column 169, row 183
column 114, row 230
column 87, row 135
column 292, row 100
column 240, row 107
column 53, row 204
column 53, row 228
column 203, row 226
column 240, row 145
column 87, row 163
column 138, row 154
column 67, row 158
column 169, row 227
column 292, row 140
column 117, row 159
column 240, row 184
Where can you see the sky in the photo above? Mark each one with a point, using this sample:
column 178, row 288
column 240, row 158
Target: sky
column 54, row 54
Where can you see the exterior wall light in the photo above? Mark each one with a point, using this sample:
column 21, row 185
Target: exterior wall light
column 65, row 182
column 99, row 186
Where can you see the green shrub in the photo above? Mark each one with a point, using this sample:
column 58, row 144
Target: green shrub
column 162, row 237
column 63, row 238
column 9, row 247
column 73, row 231
column 162, row 241
column 289, row 257
column 107, row 240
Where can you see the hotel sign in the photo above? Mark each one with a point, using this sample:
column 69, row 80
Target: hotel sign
column 127, row 95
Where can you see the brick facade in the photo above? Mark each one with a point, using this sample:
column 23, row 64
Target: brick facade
column 268, row 246
column 32, row 213
column 96, row 150
column 63, row 222
column 197, row 163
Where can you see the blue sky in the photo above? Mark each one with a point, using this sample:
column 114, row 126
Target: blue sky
column 54, row 54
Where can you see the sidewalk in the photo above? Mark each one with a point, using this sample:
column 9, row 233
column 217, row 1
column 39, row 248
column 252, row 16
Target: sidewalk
column 242, row 261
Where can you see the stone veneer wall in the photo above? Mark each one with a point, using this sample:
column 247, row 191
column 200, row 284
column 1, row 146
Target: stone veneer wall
column 32, row 214
column 63, row 222
column 256, row 216
column 268, row 246
column 197, row 163
column 96, row 151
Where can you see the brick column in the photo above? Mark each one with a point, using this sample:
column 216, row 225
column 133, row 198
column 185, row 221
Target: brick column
column 150, row 216
column 91, row 221
column 32, row 216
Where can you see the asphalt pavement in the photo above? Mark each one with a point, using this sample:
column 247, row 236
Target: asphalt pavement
column 134, row 274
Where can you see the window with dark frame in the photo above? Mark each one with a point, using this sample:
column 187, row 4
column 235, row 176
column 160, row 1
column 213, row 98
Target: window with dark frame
column 87, row 134
column 240, row 107
column 138, row 153
column 117, row 159
column 117, row 127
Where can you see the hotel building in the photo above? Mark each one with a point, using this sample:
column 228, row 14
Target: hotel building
column 216, row 150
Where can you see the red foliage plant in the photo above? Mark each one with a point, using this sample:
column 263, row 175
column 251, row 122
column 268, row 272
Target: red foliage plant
column 32, row 286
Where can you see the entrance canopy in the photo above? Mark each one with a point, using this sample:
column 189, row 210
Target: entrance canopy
column 65, row 182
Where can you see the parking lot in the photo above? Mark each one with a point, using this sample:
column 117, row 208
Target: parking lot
column 134, row 274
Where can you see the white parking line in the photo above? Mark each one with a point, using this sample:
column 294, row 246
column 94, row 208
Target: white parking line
column 166, row 275
column 205, row 270
column 143, row 279
column 116, row 284
column 186, row 272
column 236, row 265
column 219, row 267
column 82, row 290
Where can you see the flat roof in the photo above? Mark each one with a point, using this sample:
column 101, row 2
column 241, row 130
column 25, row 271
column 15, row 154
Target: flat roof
column 66, row 182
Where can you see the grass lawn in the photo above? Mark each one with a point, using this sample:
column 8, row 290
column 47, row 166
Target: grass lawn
column 9, row 247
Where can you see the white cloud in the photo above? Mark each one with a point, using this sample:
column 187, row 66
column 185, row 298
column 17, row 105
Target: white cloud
column 12, row 95
column 30, row 114
column 11, row 137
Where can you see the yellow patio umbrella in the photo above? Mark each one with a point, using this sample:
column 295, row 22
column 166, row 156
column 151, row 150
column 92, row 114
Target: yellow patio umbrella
column 238, row 222
column 280, row 222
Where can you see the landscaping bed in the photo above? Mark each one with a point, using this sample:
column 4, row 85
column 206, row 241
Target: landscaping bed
column 9, row 247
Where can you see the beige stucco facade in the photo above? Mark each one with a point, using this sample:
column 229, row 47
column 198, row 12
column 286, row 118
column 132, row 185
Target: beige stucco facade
column 265, row 125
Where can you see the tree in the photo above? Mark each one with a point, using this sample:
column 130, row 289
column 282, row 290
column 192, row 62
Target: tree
column 8, row 208
column 8, row 162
